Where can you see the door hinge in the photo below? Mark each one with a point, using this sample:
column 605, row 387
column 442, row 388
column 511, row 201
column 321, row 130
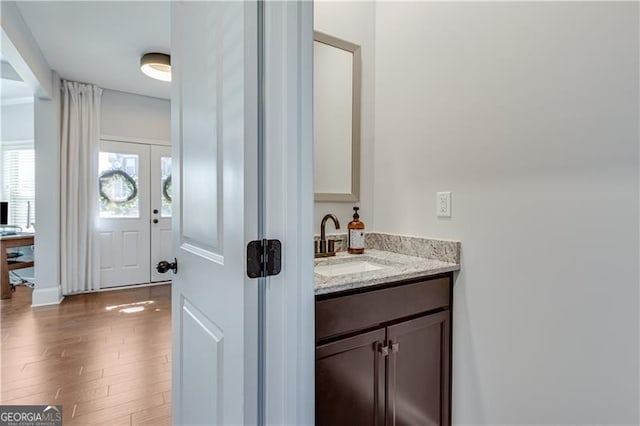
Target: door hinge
column 264, row 258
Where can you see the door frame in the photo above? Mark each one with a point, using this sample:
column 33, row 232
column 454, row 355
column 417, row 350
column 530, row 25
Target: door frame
column 287, row 34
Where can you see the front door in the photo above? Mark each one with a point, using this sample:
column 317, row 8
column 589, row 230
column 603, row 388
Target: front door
column 214, row 214
column 134, row 226
column 123, row 225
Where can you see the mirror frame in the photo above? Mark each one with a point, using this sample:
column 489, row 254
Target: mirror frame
column 356, row 112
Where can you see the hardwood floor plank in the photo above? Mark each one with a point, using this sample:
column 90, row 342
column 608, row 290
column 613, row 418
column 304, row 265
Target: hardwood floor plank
column 120, row 421
column 142, row 386
column 158, row 416
column 36, row 398
column 25, row 391
column 81, row 394
column 128, row 364
column 55, row 377
column 123, row 402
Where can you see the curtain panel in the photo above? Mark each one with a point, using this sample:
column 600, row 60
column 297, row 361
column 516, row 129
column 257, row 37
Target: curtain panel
column 80, row 134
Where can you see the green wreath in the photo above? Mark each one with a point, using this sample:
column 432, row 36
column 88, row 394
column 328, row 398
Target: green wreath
column 166, row 186
column 108, row 175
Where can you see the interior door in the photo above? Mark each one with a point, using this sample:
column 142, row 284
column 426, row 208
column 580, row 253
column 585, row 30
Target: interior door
column 161, row 200
column 123, row 224
column 214, row 212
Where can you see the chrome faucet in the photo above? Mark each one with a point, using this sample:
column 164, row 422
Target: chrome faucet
column 324, row 248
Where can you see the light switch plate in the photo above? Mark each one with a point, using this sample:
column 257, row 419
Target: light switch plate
column 443, row 204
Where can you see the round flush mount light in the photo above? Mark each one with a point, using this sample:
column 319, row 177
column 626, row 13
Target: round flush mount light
column 156, row 65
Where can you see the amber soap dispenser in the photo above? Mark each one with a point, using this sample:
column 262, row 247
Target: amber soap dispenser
column 356, row 234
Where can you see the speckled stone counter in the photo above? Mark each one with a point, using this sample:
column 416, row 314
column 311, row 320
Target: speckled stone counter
column 397, row 257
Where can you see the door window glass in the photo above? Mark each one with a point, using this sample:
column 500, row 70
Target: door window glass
column 165, row 184
column 118, row 181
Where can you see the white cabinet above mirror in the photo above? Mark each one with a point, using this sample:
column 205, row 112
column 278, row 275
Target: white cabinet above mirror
column 336, row 149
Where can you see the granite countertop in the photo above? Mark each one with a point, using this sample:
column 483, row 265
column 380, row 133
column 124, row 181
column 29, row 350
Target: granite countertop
column 394, row 257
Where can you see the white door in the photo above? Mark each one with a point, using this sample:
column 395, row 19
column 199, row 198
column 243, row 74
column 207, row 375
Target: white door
column 161, row 183
column 123, row 224
column 214, row 213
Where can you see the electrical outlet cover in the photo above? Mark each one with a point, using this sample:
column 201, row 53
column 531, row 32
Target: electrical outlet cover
column 443, row 204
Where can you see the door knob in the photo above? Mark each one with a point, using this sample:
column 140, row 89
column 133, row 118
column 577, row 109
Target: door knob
column 164, row 266
column 155, row 211
column 155, row 220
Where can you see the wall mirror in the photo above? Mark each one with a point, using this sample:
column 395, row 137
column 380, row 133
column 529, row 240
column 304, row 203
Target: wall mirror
column 336, row 142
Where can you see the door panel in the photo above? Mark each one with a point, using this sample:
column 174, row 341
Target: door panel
column 106, row 253
column 131, row 246
column 204, row 339
column 161, row 206
column 123, row 224
column 211, row 381
column 202, row 84
column 418, row 371
column 350, row 381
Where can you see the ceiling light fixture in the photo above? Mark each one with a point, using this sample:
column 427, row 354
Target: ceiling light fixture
column 156, row 65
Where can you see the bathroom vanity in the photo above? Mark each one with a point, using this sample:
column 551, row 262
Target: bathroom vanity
column 383, row 333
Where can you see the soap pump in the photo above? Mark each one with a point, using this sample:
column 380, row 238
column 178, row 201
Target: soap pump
column 356, row 234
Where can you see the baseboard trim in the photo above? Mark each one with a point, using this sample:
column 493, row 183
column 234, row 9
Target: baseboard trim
column 46, row 296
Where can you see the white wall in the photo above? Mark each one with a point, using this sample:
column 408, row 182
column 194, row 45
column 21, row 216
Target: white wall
column 16, row 122
column 353, row 22
column 528, row 112
column 135, row 116
column 47, row 253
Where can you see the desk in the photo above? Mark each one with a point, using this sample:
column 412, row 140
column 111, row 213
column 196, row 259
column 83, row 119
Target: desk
column 6, row 242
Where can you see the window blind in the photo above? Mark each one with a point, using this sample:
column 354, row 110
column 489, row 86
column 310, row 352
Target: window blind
column 18, row 169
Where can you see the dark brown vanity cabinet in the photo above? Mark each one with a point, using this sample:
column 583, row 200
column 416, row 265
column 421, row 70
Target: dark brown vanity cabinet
column 383, row 356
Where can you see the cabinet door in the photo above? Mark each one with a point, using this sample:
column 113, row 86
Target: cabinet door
column 419, row 371
column 350, row 381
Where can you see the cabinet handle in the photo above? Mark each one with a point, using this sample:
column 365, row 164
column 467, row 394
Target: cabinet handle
column 383, row 350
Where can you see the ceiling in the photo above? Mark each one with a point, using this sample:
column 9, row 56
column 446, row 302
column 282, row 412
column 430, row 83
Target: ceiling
column 102, row 42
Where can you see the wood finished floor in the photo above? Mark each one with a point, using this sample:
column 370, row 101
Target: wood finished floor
column 104, row 366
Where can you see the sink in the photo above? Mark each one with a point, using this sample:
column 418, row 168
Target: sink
column 353, row 267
